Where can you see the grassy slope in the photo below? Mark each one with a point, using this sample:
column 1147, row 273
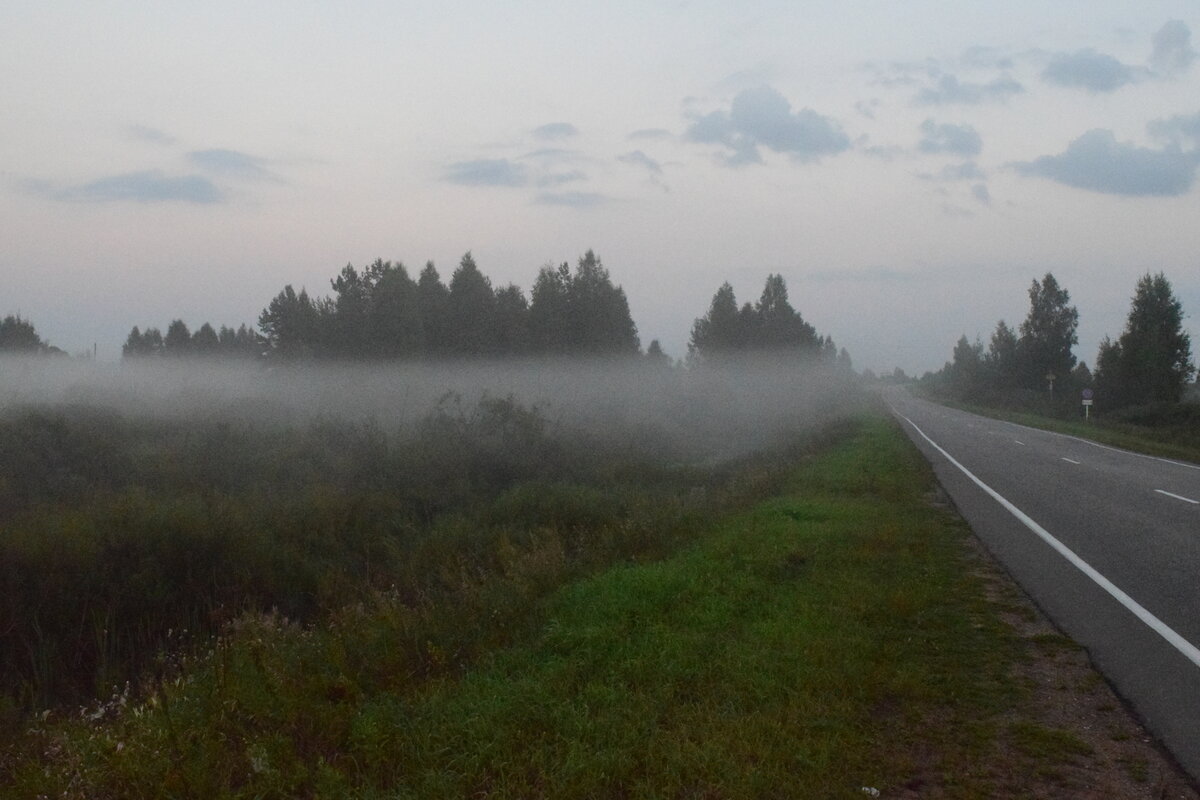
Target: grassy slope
column 1165, row 442
column 831, row 638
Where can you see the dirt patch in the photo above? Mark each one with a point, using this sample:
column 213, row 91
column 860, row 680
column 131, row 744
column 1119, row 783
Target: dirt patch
column 1072, row 736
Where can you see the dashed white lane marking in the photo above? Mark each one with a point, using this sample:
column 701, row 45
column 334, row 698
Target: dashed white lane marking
column 1018, row 441
column 1186, row 648
column 1071, row 460
column 1179, row 497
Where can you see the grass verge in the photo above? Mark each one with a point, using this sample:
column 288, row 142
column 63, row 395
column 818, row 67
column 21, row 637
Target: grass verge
column 1170, row 441
column 832, row 638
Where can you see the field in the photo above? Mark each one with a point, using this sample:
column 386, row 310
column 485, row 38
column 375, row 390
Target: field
column 498, row 600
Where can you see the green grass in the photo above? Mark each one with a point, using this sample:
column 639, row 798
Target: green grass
column 829, row 638
column 1168, row 441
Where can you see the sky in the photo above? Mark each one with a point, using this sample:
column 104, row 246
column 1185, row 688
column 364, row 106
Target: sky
column 909, row 168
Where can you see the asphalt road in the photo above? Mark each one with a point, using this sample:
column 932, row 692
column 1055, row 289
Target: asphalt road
column 1105, row 541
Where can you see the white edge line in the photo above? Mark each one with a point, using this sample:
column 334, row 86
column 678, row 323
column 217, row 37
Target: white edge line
column 1185, row 647
column 1179, row 497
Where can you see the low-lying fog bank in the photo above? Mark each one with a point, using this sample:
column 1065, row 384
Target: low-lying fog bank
column 741, row 405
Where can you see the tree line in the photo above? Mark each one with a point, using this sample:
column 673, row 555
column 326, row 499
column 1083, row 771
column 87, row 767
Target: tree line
column 771, row 324
column 1150, row 362
column 382, row 312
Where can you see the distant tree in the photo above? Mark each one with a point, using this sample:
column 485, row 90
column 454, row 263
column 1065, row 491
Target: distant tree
column 900, row 376
column 1001, row 362
column 722, row 329
column 178, row 341
column 512, row 321
column 472, row 304
column 600, row 318
column 844, row 362
column 550, row 310
column 1047, row 334
column 656, row 356
column 434, row 300
column 205, row 341
column 395, row 327
column 770, row 324
column 18, row 336
column 966, row 370
column 1152, row 359
column 292, row 324
column 780, row 325
column 1081, row 376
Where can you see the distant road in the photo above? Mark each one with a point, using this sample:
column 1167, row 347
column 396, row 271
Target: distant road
column 1107, row 542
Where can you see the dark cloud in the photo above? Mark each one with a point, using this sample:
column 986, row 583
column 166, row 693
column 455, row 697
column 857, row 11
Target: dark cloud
column 231, row 163
column 1096, row 161
column 571, row 199
column 1178, row 130
column 639, row 159
column 487, row 172
column 980, row 192
column 763, row 117
column 959, row 140
column 152, row 135
column 650, row 133
column 949, row 90
column 1173, row 52
column 555, row 131
column 150, row 186
column 1090, row 70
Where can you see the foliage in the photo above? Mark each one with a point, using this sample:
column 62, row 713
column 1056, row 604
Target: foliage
column 1151, row 362
column 18, row 335
column 772, row 324
column 206, row 342
column 382, row 313
column 829, row 639
column 1047, row 334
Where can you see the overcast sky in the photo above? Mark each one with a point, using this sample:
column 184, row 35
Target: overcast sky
column 908, row 167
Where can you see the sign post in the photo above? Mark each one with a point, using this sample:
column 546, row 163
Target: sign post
column 1087, row 403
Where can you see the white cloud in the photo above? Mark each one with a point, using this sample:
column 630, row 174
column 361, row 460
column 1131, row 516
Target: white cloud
column 949, row 90
column 960, row 140
column 763, row 117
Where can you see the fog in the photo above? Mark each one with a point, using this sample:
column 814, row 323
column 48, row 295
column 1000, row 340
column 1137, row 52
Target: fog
column 701, row 412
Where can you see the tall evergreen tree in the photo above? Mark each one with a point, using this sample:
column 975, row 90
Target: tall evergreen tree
column 291, row 324
column 1047, row 334
column 205, row 341
column 512, row 321
column 178, row 341
column 395, row 327
column 1001, row 360
column 434, row 300
column 472, row 310
column 722, row 329
column 1152, row 360
column 550, row 310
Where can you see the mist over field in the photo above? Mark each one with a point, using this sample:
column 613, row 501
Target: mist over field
column 694, row 412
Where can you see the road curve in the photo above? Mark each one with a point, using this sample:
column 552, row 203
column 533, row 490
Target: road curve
column 1105, row 541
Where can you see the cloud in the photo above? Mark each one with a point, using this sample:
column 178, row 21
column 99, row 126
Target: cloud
column 985, row 57
column 487, row 172
column 1177, row 130
column 966, row 171
column 149, row 186
column 762, row 117
column 1097, row 162
column 867, row 107
column 960, row 140
column 232, row 163
column 951, row 91
column 555, row 131
column 559, row 178
column 1090, row 70
column 1173, row 52
column 639, row 159
column 571, row 199
column 650, row 133
column 152, row 135
column 980, row 192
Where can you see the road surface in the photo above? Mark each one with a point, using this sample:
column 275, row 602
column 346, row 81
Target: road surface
column 1105, row 541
